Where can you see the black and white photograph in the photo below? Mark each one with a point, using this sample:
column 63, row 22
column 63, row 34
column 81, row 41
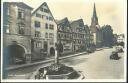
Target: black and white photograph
column 63, row 40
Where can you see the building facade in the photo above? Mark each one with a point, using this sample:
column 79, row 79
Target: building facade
column 79, row 35
column 89, row 37
column 108, row 36
column 17, row 31
column 44, row 31
column 64, row 33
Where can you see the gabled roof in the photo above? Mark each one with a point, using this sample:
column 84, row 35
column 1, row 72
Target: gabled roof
column 41, row 6
column 79, row 22
column 63, row 21
column 38, row 8
column 20, row 4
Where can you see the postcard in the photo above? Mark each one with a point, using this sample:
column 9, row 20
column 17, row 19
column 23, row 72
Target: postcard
column 63, row 40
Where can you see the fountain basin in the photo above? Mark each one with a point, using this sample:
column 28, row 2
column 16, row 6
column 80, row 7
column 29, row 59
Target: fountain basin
column 57, row 72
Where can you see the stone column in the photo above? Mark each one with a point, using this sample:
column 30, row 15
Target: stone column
column 56, row 57
column 56, row 54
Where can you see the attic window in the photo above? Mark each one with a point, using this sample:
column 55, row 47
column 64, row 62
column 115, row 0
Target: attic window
column 41, row 9
column 46, row 10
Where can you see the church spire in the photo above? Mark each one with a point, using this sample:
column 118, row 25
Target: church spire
column 94, row 12
column 94, row 17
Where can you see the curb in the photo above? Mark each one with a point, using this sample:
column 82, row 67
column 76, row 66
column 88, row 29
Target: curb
column 46, row 61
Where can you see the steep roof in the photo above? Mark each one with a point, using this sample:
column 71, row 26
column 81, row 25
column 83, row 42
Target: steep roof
column 38, row 8
column 41, row 6
column 79, row 22
column 63, row 21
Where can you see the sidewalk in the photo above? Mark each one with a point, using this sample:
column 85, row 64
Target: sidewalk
column 44, row 61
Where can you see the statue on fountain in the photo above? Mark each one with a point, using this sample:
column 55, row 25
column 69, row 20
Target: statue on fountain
column 58, row 51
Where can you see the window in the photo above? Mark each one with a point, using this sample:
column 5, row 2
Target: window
column 58, row 35
column 41, row 9
column 42, row 16
column 37, row 24
column 21, row 29
column 81, row 24
column 65, row 35
column 37, row 34
column 46, row 26
column 51, row 35
column 38, row 15
column 46, row 10
column 46, row 35
column 21, row 14
column 50, row 18
column 51, row 26
column 51, row 41
column 47, row 17
column 39, row 44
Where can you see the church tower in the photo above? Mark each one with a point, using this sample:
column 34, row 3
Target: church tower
column 94, row 20
column 95, row 28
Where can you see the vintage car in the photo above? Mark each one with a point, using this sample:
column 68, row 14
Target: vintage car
column 114, row 56
column 119, row 49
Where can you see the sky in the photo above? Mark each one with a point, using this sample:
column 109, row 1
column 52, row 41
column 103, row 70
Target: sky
column 108, row 11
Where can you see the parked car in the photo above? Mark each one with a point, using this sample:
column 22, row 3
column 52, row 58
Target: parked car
column 114, row 56
column 119, row 49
